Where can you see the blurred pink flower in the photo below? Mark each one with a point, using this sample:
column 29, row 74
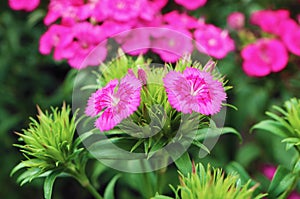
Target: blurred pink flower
column 181, row 20
column 213, row 41
column 85, row 45
column 57, row 37
column 263, row 57
column 269, row 171
column 123, row 10
column 291, row 40
column 192, row 4
column 171, row 44
column 270, row 20
column 114, row 104
column 23, row 4
column 135, row 41
column 111, row 27
column 236, row 20
column 294, row 195
column 65, row 9
column 194, row 90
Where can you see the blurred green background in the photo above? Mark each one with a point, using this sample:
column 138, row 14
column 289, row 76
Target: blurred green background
column 28, row 78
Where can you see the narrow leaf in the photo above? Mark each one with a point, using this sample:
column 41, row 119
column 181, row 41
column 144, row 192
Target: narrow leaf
column 109, row 191
column 48, row 184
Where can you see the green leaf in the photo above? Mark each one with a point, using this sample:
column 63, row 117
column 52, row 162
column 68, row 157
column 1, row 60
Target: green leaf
column 201, row 146
column 161, row 197
column 281, row 181
column 184, row 164
column 237, row 168
column 272, row 127
column 109, row 191
column 205, row 133
column 49, row 182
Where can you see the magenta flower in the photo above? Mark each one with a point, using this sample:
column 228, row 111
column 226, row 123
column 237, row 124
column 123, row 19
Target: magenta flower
column 180, row 20
column 213, row 41
column 236, row 20
column 23, row 4
column 57, row 37
column 269, row 171
column 171, row 44
column 294, row 195
column 291, row 40
column 123, row 10
column 85, row 45
column 134, row 42
column 115, row 102
column 191, row 5
column 194, row 90
column 263, row 57
column 65, row 9
column 270, row 20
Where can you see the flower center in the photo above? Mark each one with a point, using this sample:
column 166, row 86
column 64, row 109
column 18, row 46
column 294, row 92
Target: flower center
column 212, row 42
column 115, row 101
column 120, row 5
column 171, row 42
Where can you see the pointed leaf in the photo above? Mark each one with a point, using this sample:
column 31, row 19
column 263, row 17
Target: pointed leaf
column 272, row 127
column 109, row 191
column 281, row 181
column 48, row 184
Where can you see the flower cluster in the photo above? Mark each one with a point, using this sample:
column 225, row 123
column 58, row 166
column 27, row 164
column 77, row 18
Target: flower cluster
column 187, row 89
column 270, row 54
column 76, row 28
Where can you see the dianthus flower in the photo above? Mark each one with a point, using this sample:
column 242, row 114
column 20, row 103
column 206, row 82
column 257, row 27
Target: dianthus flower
column 171, row 44
column 57, row 37
column 24, row 4
column 191, row 5
column 116, row 101
column 236, row 20
column 213, row 41
column 270, row 20
column 123, row 10
column 291, row 40
column 85, row 45
column 194, row 90
column 263, row 57
column 181, row 20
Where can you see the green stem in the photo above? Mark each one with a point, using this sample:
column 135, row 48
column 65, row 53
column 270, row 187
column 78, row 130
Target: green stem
column 80, row 176
column 84, row 181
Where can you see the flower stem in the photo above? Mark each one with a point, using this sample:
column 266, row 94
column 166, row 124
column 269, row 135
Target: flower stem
column 84, row 181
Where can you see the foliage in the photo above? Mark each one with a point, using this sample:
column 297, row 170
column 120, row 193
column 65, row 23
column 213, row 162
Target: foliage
column 212, row 183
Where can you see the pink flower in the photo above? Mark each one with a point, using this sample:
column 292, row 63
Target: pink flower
column 213, row 41
column 171, row 44
column 269, row 171
column 85, row 45
column 135, row 41
column 180, row 20
column 111, row 27
column 123, row 10
column 65, row 9
column 57, row 37
column 291, row 40
column 294, row 195
column 116, row 101
column 263, row 57
column 194, row 90
column 236, row 20
column 191, row 5
column 270, row 20
column 152, row 9
column 24, row 4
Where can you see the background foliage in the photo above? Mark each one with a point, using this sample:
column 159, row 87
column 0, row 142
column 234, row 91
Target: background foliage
column 27, row 78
